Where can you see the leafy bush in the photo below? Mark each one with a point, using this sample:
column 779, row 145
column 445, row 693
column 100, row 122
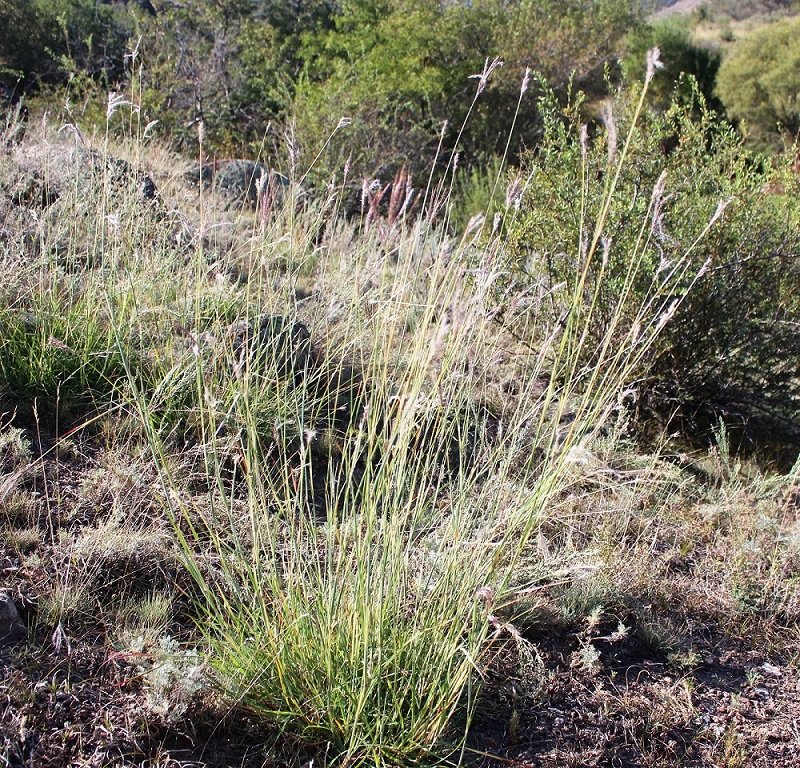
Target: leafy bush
column 759, row 81
column 226, row 65
column 50, row 40
column 730, row 348
column 401, row 69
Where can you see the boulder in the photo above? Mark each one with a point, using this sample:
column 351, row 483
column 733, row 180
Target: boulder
column 244, row 183
column 42, row 173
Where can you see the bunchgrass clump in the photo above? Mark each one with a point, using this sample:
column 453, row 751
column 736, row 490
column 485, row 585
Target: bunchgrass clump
column 360, row 542
column 375, row 449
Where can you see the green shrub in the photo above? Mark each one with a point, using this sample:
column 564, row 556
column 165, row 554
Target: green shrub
column 759, row 81
column 730, row 347
column 47, row 41
column 400, row 69
column 234, row 66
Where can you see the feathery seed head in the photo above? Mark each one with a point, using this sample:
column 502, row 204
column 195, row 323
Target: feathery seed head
column 653, row 63
column 607, row 116
column 584, row 142
column 483, row 77
column 526, row 79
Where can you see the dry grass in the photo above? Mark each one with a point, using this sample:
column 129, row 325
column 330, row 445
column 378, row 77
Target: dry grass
column 597, row 602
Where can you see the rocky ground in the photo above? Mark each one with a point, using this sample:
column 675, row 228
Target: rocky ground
column 602, row 688
column 79, row 702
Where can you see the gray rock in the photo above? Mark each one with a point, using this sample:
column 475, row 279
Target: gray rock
column 29, row 189
column 244, row 182
column 43, row 173
column 121, row 175
column 12, row 629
